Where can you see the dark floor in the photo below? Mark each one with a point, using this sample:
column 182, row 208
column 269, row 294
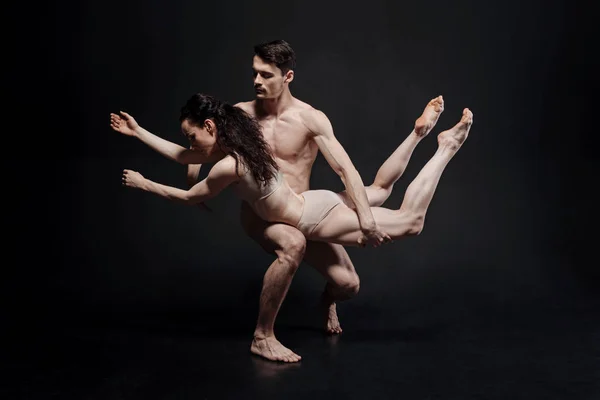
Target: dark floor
column 506, row 354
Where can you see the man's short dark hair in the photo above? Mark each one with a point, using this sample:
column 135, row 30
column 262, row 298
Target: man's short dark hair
column 278, row 52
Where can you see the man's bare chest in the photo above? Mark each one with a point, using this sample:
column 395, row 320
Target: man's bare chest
column 288, row 138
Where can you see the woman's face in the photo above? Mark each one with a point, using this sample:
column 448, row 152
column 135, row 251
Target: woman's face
column 203, row 139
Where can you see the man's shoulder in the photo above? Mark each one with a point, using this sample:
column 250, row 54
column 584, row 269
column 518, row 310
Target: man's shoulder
column 313, row 118
column 305, row 111
column 304, row 108
column 247, row 106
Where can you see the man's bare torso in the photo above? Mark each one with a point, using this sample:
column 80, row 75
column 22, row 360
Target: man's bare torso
column 290, row 140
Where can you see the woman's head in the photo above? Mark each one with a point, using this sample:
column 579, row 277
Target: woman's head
column 198, row 123
column 214, row 127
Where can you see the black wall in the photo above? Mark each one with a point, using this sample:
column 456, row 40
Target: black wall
column 508, row 230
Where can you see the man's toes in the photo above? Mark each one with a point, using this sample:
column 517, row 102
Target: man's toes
column 290, row 356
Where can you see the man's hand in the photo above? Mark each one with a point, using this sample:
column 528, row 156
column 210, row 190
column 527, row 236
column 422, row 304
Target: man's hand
column 123, row 123
column 374, row 236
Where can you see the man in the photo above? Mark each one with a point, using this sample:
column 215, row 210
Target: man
column 296, row 132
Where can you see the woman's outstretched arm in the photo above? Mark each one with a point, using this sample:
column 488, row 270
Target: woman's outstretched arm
column 220, row 176
column 127, row 125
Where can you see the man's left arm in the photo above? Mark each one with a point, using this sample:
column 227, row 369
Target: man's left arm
column 339, row 160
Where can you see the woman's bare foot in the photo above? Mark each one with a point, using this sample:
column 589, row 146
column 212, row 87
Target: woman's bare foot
column 454, row 137
column 425, row 123
column 271, row 349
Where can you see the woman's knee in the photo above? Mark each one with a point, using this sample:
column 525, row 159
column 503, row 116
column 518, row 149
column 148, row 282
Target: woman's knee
column 417, row 222
column 377, row 195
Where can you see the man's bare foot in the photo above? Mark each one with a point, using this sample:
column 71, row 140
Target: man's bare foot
column 425, row 123
column 456, row 136
column 332, row 324
column 271, row 349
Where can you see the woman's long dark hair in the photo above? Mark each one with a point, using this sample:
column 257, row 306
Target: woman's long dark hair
column 238, row 134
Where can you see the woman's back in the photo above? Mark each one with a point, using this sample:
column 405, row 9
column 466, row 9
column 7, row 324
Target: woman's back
column 274, row 201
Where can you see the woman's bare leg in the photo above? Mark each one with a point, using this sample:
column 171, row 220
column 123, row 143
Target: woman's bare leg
column 342, row 226
column 395, row 165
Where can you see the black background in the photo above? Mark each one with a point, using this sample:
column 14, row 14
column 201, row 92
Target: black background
column 509, row 239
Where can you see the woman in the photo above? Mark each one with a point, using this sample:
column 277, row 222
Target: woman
column 225, row 135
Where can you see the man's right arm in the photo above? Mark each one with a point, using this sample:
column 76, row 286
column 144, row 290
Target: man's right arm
column 337, row 157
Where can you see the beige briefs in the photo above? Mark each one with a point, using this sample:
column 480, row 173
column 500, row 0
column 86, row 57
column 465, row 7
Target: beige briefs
column 317, row 205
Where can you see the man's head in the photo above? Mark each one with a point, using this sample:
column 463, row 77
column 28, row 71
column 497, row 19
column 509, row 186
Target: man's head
column 273, row 66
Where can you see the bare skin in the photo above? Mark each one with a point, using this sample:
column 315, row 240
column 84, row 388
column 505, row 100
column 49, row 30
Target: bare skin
column 342, row 225
column 425, row 123
column 295, row 153
column 271, row 349
column 295, row 149
column 290, row 245
column 378, row 192
column 332, row 323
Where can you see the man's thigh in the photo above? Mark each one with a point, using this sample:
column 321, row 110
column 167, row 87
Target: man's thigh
column 270, row 236
column 332, row 261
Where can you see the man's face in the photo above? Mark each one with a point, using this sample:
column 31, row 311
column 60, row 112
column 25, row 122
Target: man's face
column 268, row 79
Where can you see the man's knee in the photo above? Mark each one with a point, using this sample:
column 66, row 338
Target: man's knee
column 349, row 288
column 292, row 245
column 353, row 286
